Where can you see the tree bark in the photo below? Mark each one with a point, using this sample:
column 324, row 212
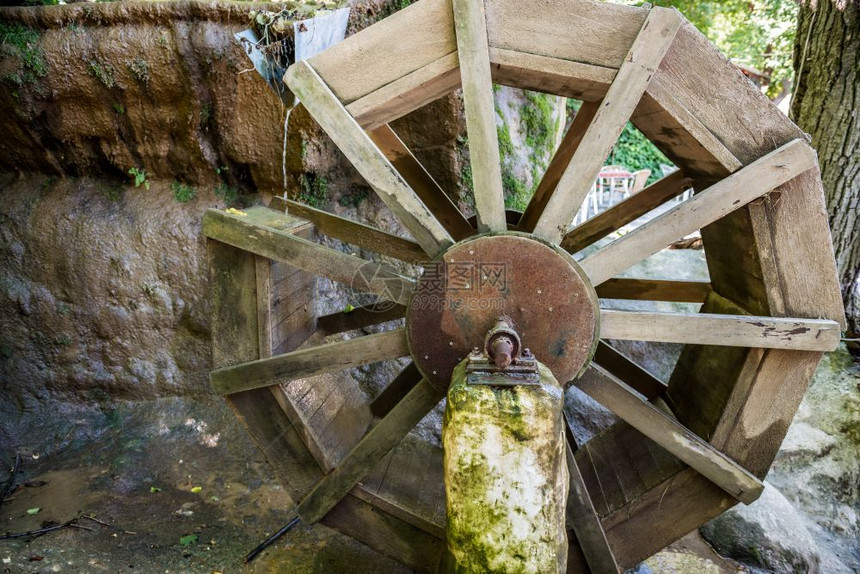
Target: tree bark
column 827, row 106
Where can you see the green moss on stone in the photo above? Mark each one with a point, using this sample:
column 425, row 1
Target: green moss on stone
column 22, row 43
column 499, row 442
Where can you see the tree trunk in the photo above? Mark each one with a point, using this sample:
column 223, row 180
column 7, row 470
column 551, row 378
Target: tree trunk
column 827, row 106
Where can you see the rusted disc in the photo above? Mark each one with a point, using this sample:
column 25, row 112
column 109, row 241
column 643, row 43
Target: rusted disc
column 540, row 288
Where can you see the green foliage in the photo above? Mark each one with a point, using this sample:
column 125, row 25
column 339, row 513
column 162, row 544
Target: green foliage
column 314, row 189
column 228, row 193
column 537, row 120
column 506, row 145
column 354, row 199
column 634, row 151
column 21, row 42
column 756, row 33
column 139, row 70
column 182, row 192
column 139, row 176
column 103, row 71
column 517, row 195
column 188, row 540
column 119, row 108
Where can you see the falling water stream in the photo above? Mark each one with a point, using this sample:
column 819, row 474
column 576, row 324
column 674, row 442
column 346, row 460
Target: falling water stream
column 310, row 36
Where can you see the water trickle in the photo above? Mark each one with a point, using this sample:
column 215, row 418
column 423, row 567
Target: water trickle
column 289, row 110
column 272, row 45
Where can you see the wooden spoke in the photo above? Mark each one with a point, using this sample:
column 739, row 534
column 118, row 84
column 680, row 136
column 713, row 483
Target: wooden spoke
column 724, row 330
column 735, row 191
column 617, row 363
column 395, row 391
column 436, row 200
column 557, row 166
column 355, row 233
column 357, row 146
column 626, row 211
column 624, row 93
column 670, row 434
column 654, row 290
column 584, row 518
column 261, row 231
column 309, row 362
column 369, row 451
column 470, row 23
column 358, row 318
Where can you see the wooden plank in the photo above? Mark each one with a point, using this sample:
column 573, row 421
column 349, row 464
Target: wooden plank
column 353, row 232
column 550, row 75
column 724, row 330
column 693, row 126
column 617, row 106
column 359, row 318
column 394, row 47
column 235, row 339
column 621, row 366
column 263, row 238
column 625, row 211
column 720, row 199
column 654, row 290
column 436, row 200
column 599, row 454
column 473, row 51
column 394, row 392
column 583, row 518
column 357, row 146
column 262, row 271
column 591, row 32
column 558, row 165
column 408, row 483
column 761, row 407
column 410, row 92
column 668, row 511
column 670, row 434
column 367, row 453
column 791, row 232
column 317, row 360
column 592, row 482
column 387, row 534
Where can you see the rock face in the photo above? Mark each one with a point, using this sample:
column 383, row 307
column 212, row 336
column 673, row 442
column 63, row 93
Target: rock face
column 770, row 534
column 134, row 85
column 101, row 300
column 807, row 520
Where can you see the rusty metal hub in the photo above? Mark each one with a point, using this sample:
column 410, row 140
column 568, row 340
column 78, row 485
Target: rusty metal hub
column 542, row 293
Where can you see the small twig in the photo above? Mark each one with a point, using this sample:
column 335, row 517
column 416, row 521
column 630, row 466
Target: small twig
column 271, row 539
column 94, row 519
column 38, row 532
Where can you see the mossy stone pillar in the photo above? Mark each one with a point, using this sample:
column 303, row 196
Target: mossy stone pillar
column 506, row 477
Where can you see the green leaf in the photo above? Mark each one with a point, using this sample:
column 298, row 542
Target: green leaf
column 188, row 540
column 348, row 309
column 154, row 489
column 32, row 511
column 196, row 489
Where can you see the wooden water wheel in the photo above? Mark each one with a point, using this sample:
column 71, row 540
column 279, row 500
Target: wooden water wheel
column 685, row 451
